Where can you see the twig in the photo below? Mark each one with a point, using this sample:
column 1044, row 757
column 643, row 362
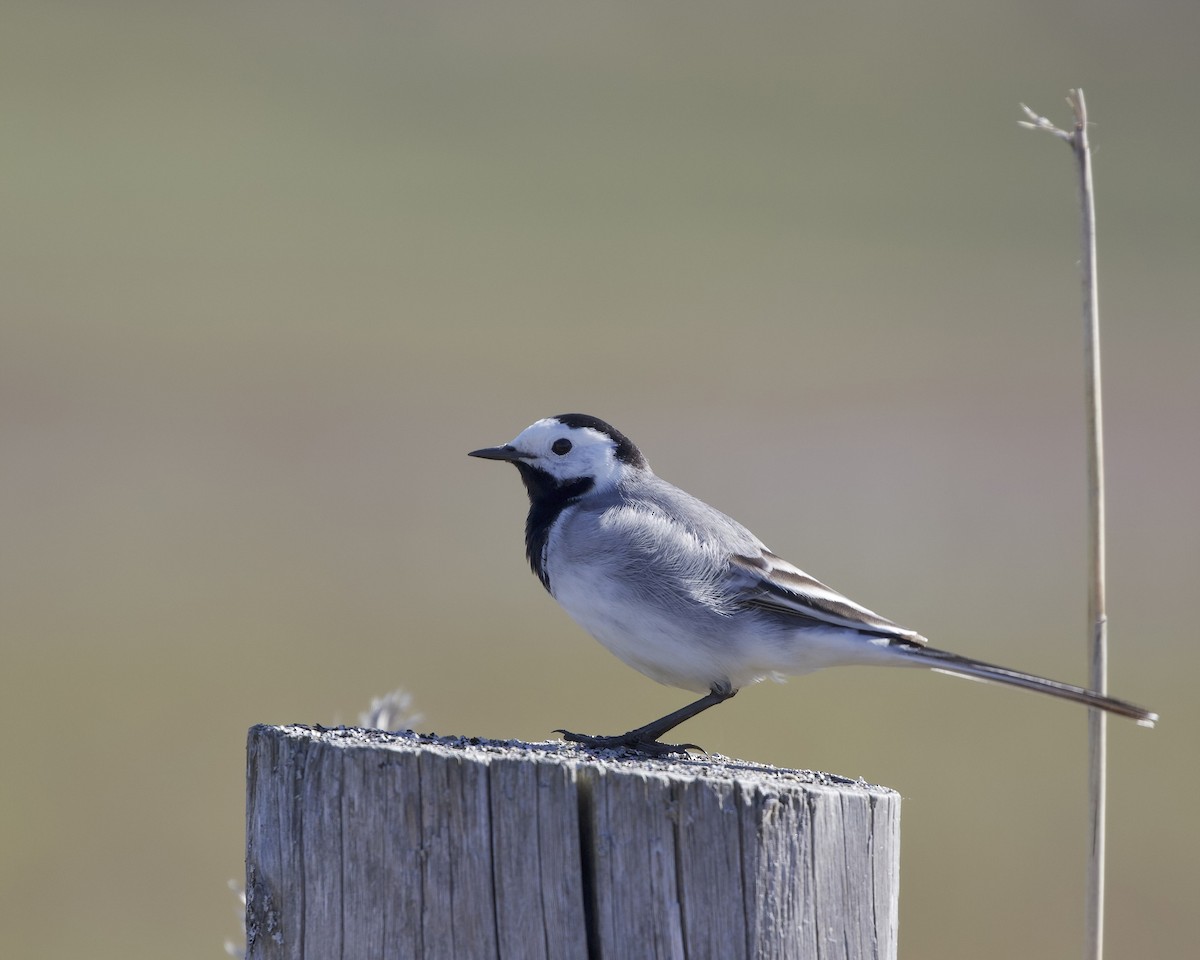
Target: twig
column 1097, row 617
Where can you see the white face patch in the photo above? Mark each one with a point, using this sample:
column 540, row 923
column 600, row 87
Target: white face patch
column 567, row 453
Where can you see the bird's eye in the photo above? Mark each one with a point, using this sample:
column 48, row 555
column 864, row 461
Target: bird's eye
column 561, row 446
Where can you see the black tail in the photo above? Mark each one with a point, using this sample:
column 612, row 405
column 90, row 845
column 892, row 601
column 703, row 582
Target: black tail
column 952, row 663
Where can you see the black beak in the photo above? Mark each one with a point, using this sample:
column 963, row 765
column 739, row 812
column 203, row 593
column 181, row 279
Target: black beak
column 507, row 452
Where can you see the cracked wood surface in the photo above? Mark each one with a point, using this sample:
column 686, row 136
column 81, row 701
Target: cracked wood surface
column 374, row 845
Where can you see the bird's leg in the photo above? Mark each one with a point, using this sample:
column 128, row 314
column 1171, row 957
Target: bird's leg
column 645, row 739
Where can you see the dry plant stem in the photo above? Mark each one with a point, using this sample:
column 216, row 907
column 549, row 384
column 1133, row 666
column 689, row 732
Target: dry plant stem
column 1097, row 617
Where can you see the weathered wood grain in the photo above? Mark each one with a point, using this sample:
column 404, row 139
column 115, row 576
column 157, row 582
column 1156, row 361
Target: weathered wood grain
column 373, row 845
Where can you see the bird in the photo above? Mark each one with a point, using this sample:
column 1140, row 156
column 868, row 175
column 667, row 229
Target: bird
column 687, row 595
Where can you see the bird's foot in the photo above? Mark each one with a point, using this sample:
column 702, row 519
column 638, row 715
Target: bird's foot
column 634, row 741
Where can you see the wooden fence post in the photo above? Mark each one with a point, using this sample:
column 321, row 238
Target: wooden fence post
column 362, row 844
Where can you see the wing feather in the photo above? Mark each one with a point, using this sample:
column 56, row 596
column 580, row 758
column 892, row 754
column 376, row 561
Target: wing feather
column 769, row 582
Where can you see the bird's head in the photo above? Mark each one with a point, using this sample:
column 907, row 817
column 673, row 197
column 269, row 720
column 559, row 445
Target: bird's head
column 569, row 448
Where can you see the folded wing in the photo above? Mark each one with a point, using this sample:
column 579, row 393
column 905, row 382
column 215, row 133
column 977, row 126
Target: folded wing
column 768, row 582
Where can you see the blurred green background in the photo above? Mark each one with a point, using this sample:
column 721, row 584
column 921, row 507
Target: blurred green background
column 271, row 269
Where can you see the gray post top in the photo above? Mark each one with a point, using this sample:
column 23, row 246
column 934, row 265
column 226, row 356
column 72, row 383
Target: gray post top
column 680, row 768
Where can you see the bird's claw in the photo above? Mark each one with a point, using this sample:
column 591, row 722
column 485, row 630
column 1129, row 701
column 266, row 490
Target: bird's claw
column 630, row 741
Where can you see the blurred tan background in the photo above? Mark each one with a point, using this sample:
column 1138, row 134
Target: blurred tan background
column 271, row 269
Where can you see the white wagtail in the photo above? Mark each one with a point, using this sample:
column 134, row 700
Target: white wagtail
column 689, row 596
